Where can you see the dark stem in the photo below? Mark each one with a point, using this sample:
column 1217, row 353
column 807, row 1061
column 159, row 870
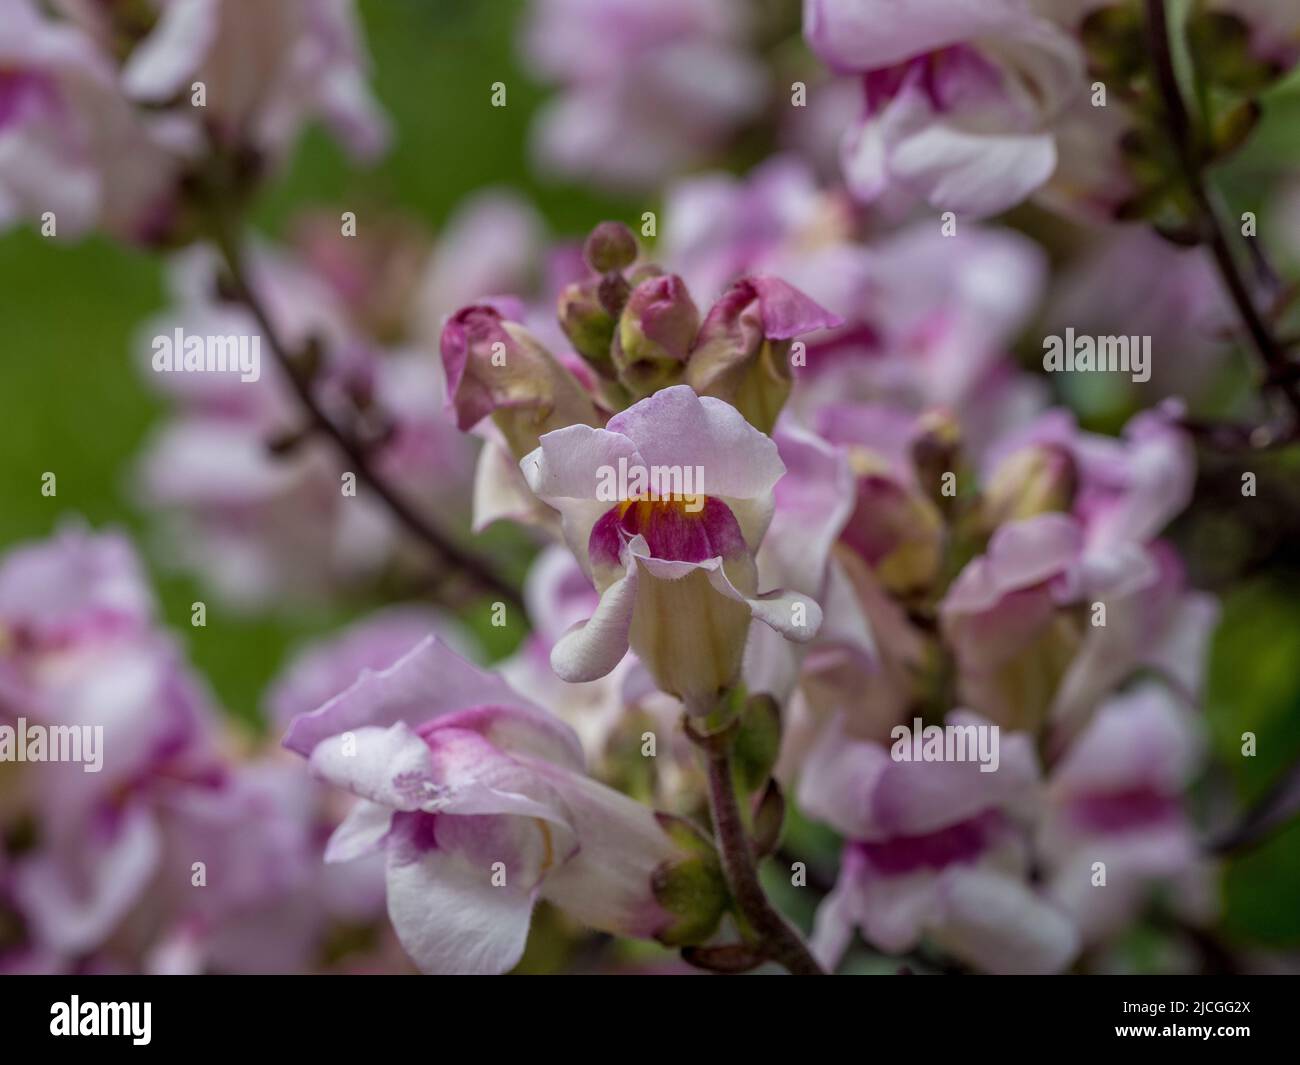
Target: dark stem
column 1275, row 808
column 777, row 940
column 1280, row 374
column 482, row 573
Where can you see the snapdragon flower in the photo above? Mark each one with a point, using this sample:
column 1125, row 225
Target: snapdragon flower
column 959, row 98
column 676, row 575
column 481, row 803
column 71, row 144
column 936, row 850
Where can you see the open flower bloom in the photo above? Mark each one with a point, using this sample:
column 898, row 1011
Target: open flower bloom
column 933, row 851
column 1064, row 605
column 960, row 97
column 1117, row 797
column 70, row 143
column 81, row 650
column 267, row 68
column 675, row 568
column 646, row 90
column 481, row 804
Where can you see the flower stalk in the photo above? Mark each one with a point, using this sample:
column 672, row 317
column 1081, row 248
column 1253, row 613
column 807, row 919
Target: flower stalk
column 773, row 936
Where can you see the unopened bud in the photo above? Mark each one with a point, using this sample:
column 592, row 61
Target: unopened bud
column 936, row 453
column 894, row 529
column 655, row 334
column 742, row 352
column 610, row 247
column 497, row 367
column 587, row 324
column 1034, row 480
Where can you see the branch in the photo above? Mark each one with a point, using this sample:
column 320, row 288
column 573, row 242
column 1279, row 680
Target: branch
column 1274, row 809
column 447, row 552
column 776, row 939
column 1280, row 374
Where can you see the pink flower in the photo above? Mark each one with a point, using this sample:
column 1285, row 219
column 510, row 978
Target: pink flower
column 496, row 367
column 646, row 89
column 934, row 851
column 481, row 804
column 70, row 142
column 1063, row 605
column 1117, row 797
column 267, row 69
column 80, row 648
column 959, row 97
column 675, row 570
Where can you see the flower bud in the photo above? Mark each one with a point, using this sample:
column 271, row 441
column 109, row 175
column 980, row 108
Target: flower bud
column 496, row 366
column 610, row 247
column 587, row 324
column 691, row 887
column 1034, row 480
column 936, row 452
column 894, row 529
column 742, row 352
column 655, row 334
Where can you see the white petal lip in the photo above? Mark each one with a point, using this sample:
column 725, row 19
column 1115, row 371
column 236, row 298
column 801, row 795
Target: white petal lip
column 448, row 916
column 360, row 832
column 592, row 648
column 165, row 60
column 983, row 915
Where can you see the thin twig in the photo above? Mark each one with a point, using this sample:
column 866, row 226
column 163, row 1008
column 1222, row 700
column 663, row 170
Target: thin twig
column 1278, row 805
column 482, row 573
column 1280, row 373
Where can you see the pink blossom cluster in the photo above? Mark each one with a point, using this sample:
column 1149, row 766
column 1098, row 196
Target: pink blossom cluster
column 882, row 531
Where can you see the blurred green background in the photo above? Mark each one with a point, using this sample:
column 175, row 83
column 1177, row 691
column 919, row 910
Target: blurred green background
column 73, row 403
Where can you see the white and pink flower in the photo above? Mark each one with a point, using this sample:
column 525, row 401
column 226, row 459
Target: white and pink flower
column 677, row 577
column 482, row 805
column 937, row 851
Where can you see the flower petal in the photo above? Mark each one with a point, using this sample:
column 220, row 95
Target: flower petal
column 429, row 682
column 449, row 916
column 592, row 648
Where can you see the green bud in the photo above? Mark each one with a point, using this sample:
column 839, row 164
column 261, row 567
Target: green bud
column 610, row 247
column 695, row 892
column 587, row 324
